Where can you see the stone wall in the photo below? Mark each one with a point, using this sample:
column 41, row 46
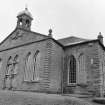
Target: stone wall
column 92, row 68
column 50, row 67
column 102, row 69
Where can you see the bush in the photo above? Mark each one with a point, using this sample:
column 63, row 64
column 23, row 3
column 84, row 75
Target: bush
column 99, row 100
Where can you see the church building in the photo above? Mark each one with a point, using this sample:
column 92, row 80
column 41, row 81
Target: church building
column 30, row 61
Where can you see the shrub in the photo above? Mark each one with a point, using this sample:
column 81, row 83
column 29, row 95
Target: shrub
column 99, row 100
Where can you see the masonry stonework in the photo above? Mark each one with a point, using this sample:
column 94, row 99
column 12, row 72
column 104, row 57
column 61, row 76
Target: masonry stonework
column 50, row 79
column 92, row 67
column 30, row 61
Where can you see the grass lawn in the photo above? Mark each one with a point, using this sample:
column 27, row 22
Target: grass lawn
column 30, row 98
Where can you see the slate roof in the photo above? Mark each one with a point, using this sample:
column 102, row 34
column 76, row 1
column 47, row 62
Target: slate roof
column 74, row 41
column 71, row 40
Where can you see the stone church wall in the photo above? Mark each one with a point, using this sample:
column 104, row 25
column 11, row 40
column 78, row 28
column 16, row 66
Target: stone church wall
column 56, row 66
column 92, row 68
column 102, row 69
column 49, row 70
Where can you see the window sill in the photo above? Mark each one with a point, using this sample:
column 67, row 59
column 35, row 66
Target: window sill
column 71, row 84
column 37, row 81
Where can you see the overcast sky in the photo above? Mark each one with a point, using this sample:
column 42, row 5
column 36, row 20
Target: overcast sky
column 81, row 18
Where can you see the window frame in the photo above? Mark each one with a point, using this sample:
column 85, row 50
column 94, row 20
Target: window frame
column 9, row 63
column 27, row 57
column 34, row 57
column 68, row 71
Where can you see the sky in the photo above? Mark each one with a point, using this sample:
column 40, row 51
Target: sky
column 80, row 18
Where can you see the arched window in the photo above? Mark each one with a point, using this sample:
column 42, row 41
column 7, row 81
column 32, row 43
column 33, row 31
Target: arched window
column 0, row 63
column 20, row 21
column 82, row 69
column 82, row 62
column 72, row 70
column 15, row 64
column 9, row 66
column 27, row 23
column 36, row 65
column 28, row 67
column 32, row 66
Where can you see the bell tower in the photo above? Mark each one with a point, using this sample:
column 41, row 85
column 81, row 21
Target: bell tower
column 24, row 20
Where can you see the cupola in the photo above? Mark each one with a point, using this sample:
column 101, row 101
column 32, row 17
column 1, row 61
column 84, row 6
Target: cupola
column 24, row 19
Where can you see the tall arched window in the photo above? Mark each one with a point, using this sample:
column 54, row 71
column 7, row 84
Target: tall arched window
column 36, row 65
column 15, row 64
column 28, row 67
column 72, row 70
column 9, row 67
column 82, row 69
column 0, row 63
column 9, row 72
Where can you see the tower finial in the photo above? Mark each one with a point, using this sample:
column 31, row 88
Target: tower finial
column 26, row 7
column 100, row 37
column 100, row 33
column 50, row 32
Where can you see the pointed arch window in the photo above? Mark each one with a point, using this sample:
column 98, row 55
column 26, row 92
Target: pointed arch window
column 28, row 67
column 15, row 64
column 1, row 63
column 82, row 69
column 32, row 66
column 9, row 67
column 36, row 65
column 82, row 62
column 72, row 70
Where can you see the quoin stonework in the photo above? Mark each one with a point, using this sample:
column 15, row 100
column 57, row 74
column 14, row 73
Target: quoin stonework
column 30, row 61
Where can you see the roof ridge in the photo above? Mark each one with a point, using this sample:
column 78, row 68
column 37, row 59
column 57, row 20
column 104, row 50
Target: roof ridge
column 34, row 32
column 72, row 37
